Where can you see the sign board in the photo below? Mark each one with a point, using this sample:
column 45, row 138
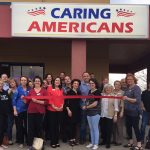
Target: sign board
column 63, row 20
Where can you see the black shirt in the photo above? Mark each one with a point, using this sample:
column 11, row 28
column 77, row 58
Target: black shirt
column 97, row 109
column 74, row 105
column 5, row 102
column 146, row 99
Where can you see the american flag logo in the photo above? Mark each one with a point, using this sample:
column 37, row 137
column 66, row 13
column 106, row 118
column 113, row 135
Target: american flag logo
column 124, row 13
column 37, row 11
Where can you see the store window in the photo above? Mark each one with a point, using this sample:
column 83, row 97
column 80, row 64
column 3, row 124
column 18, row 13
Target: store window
column 29, row 71
column 16, row 70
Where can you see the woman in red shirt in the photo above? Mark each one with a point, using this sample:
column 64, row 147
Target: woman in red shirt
column 55, row 108
column 36, row 110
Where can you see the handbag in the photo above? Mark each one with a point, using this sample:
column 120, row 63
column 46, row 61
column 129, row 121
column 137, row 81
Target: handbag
column 38, row 143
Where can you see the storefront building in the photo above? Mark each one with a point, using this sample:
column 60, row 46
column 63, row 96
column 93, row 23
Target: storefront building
column 95, row 38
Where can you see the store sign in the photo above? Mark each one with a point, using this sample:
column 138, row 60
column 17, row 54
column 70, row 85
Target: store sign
column 79, row 20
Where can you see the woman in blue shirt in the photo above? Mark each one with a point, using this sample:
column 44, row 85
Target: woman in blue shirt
column 20, row 109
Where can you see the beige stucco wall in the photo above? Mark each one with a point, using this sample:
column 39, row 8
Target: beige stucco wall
column 98, row 58
column 100, row 69
column 55, row 54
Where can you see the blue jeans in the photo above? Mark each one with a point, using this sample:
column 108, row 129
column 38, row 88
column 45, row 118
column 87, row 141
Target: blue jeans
column 93, row 122
column 145, row 121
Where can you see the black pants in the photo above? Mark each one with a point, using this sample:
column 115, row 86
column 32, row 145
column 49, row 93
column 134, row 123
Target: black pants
column 133, row 122
column 54, row 123
column 21, row 121
column 64, row 127
column 106, row 128
column 16, row 124
column 46, row 127
column 71, row 128
column 3, row 126
column 10, row 122
column 35, row 126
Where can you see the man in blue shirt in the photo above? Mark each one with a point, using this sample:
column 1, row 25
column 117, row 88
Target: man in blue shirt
column 84, row 88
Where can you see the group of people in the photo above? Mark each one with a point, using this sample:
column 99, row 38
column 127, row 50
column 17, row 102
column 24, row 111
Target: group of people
column 57, row 108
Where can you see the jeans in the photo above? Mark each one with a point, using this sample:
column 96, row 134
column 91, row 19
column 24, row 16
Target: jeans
column 93, row 122
column 145, row 121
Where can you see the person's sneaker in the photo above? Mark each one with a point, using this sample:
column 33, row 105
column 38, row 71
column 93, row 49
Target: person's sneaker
column 95, row 147
column 21, row 146
column 89, row 146
column 4, row 146
column 10, row 142
column 1, row 148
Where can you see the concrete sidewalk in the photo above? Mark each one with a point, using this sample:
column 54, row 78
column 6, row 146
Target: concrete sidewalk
column 65, row 146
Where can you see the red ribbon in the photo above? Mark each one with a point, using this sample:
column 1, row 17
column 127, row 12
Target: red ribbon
column 71, row 97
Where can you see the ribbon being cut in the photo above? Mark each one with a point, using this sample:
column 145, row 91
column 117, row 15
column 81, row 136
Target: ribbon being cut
column 71, row 97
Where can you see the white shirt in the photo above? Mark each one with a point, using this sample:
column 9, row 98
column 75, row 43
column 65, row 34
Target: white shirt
column 104, row 107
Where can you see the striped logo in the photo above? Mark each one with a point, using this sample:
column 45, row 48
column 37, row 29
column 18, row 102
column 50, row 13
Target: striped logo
column 37, row 11
column 124, row 13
